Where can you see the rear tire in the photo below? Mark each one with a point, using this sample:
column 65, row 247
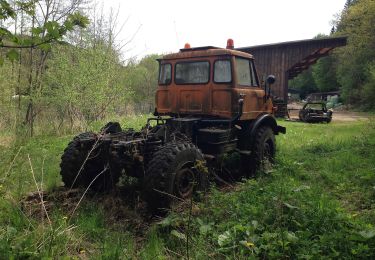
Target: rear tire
column 172, row 173
column 74, row 157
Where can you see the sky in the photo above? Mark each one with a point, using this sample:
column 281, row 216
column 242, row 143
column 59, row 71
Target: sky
column 164, row 26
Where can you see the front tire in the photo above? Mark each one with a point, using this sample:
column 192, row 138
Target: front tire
column 264, row 149
column 172, row 174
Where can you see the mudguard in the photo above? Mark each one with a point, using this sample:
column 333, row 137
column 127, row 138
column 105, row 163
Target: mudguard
column 268, row 120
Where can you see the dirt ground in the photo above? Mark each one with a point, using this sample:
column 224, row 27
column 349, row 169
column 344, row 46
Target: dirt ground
column 122, row 209
column 6, row 140
column 338, row 116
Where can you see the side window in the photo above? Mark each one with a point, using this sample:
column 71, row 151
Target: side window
column 222, row 71
column 165, row 74
column 245, row 72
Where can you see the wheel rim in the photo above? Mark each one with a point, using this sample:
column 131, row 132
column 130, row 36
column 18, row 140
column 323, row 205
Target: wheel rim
column 184, row 182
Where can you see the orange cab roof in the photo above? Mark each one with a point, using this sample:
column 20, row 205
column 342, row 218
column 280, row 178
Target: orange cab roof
column 205, row 52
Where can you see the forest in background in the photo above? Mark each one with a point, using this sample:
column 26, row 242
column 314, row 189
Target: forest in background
column 350, row 69
column 62, row 66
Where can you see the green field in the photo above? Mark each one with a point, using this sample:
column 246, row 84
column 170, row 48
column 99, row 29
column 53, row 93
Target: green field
column 319, row 202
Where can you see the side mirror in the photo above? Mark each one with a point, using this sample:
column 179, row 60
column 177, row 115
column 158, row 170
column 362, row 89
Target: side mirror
column 271, row 79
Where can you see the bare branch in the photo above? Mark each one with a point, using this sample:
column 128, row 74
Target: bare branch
column 11, row 165
column 39, row 191
column 84, row 162
column 28, row 46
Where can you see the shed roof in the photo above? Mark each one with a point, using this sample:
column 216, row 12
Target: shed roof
column 321, row 47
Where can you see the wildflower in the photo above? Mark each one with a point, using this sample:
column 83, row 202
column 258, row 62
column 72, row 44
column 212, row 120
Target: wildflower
column 249, row 244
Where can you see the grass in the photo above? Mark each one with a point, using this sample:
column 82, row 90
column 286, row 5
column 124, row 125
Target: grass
column 317, row 203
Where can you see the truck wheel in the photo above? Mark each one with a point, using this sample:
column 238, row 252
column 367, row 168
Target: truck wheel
column 264, row 149
column 172, row 173
column 74, row 157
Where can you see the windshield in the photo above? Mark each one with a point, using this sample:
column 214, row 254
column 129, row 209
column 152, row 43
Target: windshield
column 192, row 72
column 316, row 106
column 165, row 74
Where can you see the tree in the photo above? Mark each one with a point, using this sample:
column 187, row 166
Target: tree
column 324, row 74
column 85, row 83
column 49, row 21
column 142, row 79
column 305, row 83
column 356, row 60
column 86, row 80
column 368, row 92
column 42, row 23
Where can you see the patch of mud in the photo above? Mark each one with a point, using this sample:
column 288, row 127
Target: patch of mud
column 122, row 210
column 344, row 116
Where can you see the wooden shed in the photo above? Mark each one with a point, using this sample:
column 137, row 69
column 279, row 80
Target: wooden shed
column 287, row 59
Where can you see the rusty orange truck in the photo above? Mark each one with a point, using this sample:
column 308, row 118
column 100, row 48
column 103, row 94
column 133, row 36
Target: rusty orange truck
column 210, row 106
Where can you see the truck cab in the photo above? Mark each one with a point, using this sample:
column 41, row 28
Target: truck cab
column 209, row 82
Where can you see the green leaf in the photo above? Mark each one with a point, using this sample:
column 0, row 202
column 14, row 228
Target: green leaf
column 290, row 206
column 15, row 39
column 4, row 32
column 1, row 61
column 77, row 19
column 178, row 234
column 291, row 237
column 12, row 55
column 52, row 28
column 45, row 47
column 166, row 222
column 11, row 231
column 6, row 10
column 204, row 229
column 26, row 42
column 37, row 30
column 368, row 233
column 68, row 25
column 301, row 188
column 224, row 238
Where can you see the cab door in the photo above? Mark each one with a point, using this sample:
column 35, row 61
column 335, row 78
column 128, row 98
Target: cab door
column 222, row 87
column 247, row 86
column 192, row 78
